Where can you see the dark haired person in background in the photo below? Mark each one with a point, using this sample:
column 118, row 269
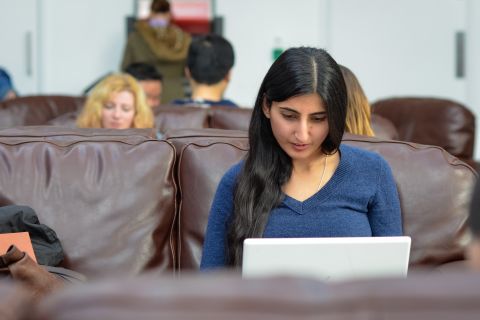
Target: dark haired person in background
column 149, row 79
column 209, row 63
column 297, row 179
column 158, row 42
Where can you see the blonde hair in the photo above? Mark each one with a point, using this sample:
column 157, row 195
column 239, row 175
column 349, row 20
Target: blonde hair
column 91, row 115
column 358, row 107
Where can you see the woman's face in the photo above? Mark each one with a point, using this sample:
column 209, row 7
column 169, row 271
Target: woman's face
column 118, row 112
column 299, row 125
column 159, row 19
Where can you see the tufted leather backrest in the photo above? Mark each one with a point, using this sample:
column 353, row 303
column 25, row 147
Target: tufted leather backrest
column 36, row 110
column 433, row 121
column 169, row 117
column 383, row 128
column 230, row 118
column 108, row 194
column 434, row 189
column 198, row 174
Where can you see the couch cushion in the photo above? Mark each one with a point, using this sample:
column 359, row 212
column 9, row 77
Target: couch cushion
column 383, row 128
column 431, row 121
column 36, row 110
column 68, row 119
column 169, row 117
column 198, row 175
column 434, row 189
column 109, row 194
column 227, row 296
column 230, row 118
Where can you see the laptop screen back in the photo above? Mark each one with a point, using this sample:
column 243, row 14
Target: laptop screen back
column 327, row 258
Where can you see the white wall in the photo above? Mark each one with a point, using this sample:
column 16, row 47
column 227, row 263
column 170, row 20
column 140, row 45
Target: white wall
column 253, row 25
column 400, row 48
column 80, row 41
column 19, row 38
column 473, row 65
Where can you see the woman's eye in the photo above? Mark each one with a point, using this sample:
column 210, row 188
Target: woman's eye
column 318, row 119
column 127, row 108
column 108, row 106
column 289, row 116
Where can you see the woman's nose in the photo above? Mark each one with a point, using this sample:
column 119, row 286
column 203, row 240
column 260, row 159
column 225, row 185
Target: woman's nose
column 116, row 113
column 302, row 131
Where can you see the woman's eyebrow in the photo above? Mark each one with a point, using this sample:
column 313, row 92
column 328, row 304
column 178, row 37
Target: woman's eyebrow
column 295, row 111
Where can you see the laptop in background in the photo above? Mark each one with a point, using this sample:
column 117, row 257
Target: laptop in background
column 329, row 259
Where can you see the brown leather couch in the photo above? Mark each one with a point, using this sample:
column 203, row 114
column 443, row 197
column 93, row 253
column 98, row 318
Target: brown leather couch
column 108, row 194
column 227, row 296
column 36, row 110
column 63, row 111
column 433, row 121
column 170, row 117
column 434, row 190
column 124, row 203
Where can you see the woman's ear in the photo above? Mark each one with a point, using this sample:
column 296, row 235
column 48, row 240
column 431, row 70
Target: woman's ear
column 265, row 108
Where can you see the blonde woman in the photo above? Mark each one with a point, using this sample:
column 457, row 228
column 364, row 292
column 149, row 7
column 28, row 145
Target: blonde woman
column 358, row 108
column 117, row 102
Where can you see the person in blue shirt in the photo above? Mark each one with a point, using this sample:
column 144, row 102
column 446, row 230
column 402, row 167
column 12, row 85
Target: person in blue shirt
column 297, row 179
column 7, row 90
column 209, row 62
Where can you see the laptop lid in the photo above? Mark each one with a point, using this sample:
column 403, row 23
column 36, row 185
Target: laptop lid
column 327, row 258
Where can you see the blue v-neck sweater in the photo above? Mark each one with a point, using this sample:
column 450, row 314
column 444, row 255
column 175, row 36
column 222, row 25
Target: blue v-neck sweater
column 360, row 200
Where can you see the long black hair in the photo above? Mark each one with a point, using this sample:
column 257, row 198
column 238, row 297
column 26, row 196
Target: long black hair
column 267, row 167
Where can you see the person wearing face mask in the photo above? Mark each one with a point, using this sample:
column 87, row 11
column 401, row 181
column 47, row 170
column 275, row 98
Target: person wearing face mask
column 158, row 42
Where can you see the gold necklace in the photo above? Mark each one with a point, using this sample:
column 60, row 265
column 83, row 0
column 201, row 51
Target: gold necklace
column 323, row 173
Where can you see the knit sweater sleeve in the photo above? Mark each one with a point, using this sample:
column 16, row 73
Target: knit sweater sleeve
column 384, row 212
column 214, row 246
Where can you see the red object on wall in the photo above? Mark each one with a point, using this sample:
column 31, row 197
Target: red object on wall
column 193, row 16
column 194, row 26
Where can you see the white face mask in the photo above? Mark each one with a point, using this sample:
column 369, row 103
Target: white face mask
column 158, row 22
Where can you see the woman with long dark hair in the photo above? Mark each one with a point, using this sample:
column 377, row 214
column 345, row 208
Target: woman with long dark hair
column 297, row 180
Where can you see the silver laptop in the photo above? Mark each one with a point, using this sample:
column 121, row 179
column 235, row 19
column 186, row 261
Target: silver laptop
column 329, row 259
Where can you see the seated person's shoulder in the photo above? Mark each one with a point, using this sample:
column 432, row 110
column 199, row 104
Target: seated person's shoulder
column 203, row 103
column 225, row 103
column 233, row 172
column 362, row 157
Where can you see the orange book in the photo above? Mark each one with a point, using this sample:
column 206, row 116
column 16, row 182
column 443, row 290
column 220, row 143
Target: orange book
column 19, row 239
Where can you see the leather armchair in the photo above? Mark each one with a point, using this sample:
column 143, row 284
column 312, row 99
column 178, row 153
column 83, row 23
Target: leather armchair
column 432, row 121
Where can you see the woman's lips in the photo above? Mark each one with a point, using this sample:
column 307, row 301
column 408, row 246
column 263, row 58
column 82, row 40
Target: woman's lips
column 299, row 146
